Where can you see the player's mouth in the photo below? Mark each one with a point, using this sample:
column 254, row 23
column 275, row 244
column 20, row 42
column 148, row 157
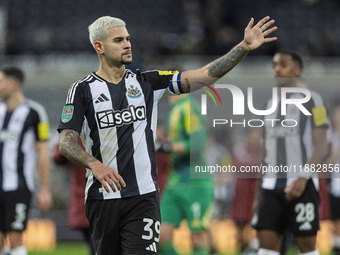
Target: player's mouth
column 128, row 53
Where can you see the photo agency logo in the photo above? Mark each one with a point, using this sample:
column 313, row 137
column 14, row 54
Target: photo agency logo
column 280, row 101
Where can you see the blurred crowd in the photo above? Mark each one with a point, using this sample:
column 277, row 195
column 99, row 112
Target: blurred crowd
column 191, row 27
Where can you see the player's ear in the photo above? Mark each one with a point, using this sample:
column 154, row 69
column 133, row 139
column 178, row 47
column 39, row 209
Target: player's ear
column 298, row 71
column 98, row 46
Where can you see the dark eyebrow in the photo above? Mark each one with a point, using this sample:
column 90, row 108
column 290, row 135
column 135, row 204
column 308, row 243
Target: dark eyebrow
column 121, row 37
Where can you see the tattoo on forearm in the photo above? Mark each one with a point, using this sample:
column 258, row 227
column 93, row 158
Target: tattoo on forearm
column 186, row 84
column 224, row 64
column 72, row 150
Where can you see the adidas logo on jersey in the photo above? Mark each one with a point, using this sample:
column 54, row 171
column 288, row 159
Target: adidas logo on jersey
column 111, row 118
column 102, row 98
column 305, row 226
column 152, row 247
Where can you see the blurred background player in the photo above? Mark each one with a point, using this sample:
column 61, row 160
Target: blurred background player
column 246, row 153
column 334, row 181
column 76, row 206
column 162, row 148
column 24, row 134
column 218, row 154
column 186, row 198
column 291, row 200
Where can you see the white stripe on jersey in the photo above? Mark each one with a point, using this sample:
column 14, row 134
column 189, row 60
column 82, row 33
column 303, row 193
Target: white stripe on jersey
column 72, row 90
column 142, row 166
column 29, row 158
column 317, row 99
column 108, row 136
column 39, row 109
column 154, row 118
column 335, row 176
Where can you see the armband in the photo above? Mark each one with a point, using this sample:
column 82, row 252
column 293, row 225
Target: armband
column 175, row 85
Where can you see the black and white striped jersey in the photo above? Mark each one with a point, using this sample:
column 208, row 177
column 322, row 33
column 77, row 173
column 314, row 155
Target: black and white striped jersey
column 292, row 146
column 334, row 185
column 117, row 124
column 20, row 129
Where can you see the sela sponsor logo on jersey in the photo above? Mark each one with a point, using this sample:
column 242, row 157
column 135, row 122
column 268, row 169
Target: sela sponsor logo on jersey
column 111, row 118
column 133, row 92
column 7, row 136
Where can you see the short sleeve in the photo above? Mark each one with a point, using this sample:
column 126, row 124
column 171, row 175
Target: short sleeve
column 72, row 116
column 159, row 79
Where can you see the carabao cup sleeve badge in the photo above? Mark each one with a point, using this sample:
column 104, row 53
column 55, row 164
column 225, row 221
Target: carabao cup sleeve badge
column 67, row 113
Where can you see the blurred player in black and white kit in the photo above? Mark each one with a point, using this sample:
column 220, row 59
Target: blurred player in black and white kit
column 290, row 200
column 115, row 111
column 334, row 182
column 24, row 133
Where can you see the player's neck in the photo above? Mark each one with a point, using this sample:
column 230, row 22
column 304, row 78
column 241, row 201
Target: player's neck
column 112, row 74
column 14, row 100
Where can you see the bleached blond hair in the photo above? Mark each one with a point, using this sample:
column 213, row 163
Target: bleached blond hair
column 99, row 29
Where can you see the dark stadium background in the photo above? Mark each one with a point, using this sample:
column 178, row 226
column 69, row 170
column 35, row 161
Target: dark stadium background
column 49, row 40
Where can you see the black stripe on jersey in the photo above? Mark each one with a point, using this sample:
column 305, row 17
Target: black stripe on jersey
column 303, row 122
column 94, row 134
column 32, row 116
column 281, row 156
column 149, row 101
column 4, row 127
column 126, row 166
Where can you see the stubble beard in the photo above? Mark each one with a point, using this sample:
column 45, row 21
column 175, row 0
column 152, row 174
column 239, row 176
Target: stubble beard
column 126, row 61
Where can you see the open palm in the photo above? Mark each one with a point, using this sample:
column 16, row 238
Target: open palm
column 255, row 36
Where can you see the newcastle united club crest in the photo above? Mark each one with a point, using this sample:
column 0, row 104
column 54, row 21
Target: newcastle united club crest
column 133, row 92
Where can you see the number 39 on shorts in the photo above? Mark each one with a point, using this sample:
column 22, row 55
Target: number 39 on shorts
column 152, row 229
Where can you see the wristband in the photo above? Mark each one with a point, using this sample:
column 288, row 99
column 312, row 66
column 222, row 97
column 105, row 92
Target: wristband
column 305, row 173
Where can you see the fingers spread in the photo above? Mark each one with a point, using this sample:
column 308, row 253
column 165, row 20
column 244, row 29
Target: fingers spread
column 271, row 39
column 269, row 31
column 268, row 24
column 262, row 21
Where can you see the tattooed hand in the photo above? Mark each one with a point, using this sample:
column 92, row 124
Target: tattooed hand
column 254, row 37
column 70, row 148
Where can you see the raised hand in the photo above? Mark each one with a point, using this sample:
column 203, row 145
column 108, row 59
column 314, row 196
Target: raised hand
column 255, row 36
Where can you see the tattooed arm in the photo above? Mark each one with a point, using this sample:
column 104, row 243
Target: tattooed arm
column 254, row 37
column 70, row 148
